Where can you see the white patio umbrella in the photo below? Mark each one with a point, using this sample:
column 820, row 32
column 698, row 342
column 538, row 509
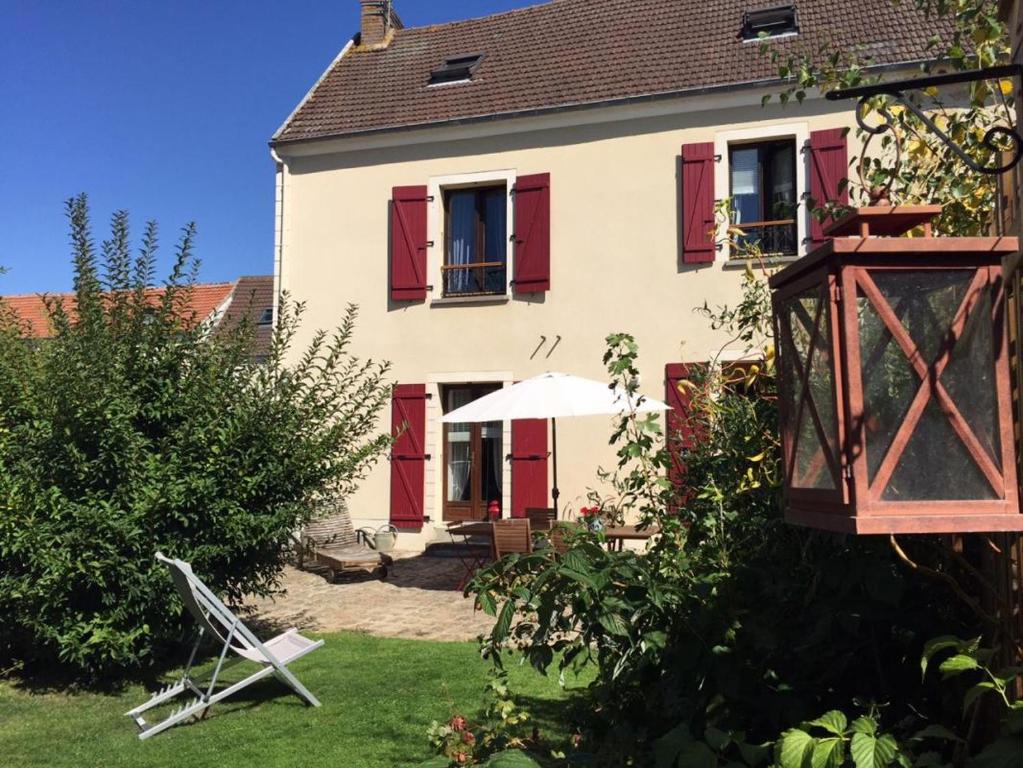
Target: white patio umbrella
column 552, row 396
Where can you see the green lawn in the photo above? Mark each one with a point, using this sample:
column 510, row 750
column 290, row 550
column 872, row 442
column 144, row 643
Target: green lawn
column 378, row 696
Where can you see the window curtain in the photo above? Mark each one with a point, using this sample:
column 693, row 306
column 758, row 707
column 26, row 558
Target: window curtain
column 745, row 173
column 461, row 240
column 493, row 446
column 496, row 212
column 783, row 189
column 459, row 450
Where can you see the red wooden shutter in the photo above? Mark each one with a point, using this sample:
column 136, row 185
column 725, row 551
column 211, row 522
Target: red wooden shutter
column 528, row 465
column 829, row 164
column 408, row 455
column 408, row 243
column 698, row 203
column 680, row 432
column 533, row 233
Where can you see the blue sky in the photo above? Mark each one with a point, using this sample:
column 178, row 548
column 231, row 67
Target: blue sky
column 163, row 108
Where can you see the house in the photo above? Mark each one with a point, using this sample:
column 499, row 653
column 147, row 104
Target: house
column 220, row 305
column 498, row 194
column 252, row 302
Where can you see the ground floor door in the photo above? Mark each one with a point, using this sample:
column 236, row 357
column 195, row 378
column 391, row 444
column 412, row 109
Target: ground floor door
column 473, row 458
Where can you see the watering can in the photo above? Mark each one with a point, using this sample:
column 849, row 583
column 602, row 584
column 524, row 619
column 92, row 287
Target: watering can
column 382, row 539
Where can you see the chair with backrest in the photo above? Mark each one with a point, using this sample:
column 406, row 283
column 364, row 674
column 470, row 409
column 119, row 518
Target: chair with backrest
column 218, row 623
column 559, row 536
column 541, row 518
column 331, row 542
column 512, row 537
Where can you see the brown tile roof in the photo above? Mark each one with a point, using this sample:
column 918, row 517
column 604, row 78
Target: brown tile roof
column 578, row 52
column 31, row 309
column 253, row 296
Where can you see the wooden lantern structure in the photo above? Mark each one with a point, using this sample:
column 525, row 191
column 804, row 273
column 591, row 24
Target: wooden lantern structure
column 894, row 379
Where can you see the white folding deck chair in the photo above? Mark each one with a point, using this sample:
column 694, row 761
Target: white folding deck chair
column 217, row 622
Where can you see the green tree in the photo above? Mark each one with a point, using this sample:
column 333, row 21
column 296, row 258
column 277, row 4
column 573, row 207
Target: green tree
column 135, row 429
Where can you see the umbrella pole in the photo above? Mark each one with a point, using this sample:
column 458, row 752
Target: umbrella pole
column 555, row 493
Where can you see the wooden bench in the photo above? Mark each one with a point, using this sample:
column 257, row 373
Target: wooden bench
column 337, row 561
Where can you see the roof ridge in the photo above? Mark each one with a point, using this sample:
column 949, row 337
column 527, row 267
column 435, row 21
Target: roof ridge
column 455, row 22
column 41, row 294
column 37, row 295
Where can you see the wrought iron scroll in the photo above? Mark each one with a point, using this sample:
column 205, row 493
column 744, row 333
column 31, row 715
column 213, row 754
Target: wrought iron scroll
column 897, row 91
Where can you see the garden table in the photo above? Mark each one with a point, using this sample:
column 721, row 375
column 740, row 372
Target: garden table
column 616, row 536
column 473, row 556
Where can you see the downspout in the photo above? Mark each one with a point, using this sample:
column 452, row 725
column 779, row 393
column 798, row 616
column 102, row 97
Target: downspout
column 278, row 230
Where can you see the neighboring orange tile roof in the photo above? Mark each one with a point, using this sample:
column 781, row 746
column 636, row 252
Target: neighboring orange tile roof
column 205, row 299
column 570, row 53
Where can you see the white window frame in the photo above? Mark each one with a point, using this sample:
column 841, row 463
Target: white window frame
column 800, row 134
column 436, row 187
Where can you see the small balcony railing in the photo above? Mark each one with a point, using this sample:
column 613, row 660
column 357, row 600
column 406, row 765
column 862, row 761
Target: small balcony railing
column 774, row 238
column 484, row 278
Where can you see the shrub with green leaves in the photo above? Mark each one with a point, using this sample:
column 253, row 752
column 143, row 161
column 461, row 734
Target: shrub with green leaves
column 136, row 429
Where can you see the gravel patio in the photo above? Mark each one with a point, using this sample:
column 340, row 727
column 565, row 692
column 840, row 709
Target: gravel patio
column 419, row 600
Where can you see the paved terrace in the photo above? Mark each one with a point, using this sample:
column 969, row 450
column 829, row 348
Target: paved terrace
column 419, row 600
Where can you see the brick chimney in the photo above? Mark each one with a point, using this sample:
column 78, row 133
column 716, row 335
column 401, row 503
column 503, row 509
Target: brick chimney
column 379, row 21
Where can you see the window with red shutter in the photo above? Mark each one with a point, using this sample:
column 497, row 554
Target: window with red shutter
column 698, row 203
column 762, row 191
column 533, row 233
column 408, row 456
column 528, row 465
column 408, row 243
column 829, row 165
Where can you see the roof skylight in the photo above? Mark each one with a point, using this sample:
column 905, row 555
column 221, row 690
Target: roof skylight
column 457, row 69
column 769, row 22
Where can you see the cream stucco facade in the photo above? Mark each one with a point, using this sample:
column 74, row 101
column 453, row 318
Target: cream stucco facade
column 615, row 256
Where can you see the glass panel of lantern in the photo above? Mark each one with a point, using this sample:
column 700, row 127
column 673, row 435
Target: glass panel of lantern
column 935, row 463
column 809, row 412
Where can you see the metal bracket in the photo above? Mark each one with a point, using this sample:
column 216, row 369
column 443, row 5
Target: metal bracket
column 896, row 90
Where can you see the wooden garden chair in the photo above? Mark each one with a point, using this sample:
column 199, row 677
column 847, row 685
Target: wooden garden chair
column 558, row 536
column 332, row 543
column 541, row 518
column 512, row 537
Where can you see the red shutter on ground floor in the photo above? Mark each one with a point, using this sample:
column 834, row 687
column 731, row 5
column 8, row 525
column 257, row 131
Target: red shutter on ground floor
column 528, row 465
column 679, row 429
column 829, row 165
column 532, row 234
column 408, row 243
column 408, row 456
column 698, row 203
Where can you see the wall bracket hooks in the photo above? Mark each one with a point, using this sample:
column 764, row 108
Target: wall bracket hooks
column 543, row 340
column 557, row 340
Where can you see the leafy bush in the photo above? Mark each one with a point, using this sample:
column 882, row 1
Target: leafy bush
column 832, row 741
column 135, row 429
